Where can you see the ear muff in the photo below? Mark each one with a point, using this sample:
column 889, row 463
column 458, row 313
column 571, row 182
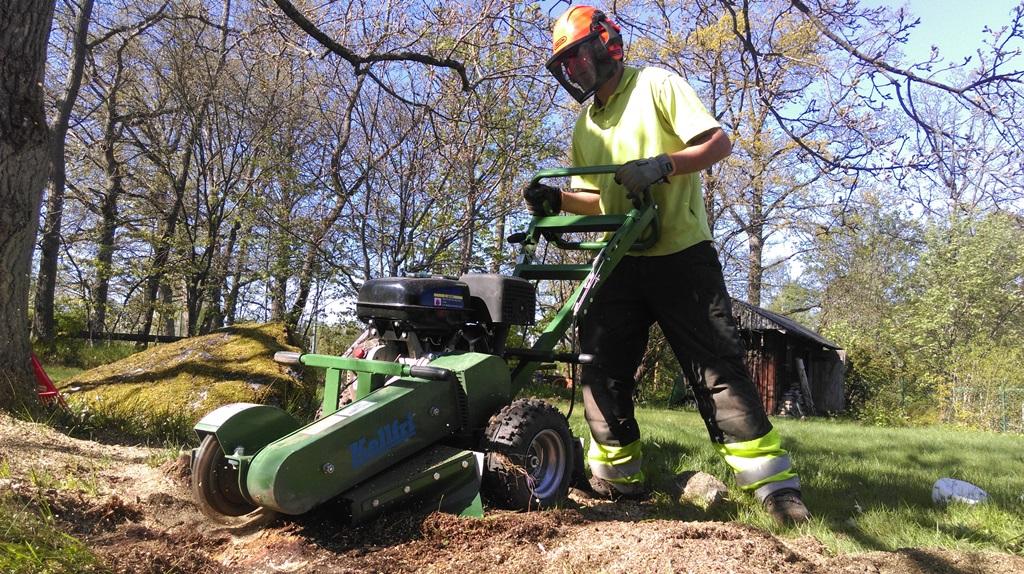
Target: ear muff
column 611, row 36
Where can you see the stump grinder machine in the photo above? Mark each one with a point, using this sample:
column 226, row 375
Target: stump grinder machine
column 422, row 409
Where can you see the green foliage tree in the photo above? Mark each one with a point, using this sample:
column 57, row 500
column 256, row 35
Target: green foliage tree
column 923, row 311
column 966, row 305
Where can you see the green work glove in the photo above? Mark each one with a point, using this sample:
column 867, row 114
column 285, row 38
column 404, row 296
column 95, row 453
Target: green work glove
column 543, row 200
column 640, row 174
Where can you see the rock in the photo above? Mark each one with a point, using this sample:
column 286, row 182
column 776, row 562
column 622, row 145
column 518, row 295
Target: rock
column 158, row 395
column 701, row 489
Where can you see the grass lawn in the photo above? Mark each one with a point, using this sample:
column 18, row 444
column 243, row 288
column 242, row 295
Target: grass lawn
column 58, row 373
column 869, row 488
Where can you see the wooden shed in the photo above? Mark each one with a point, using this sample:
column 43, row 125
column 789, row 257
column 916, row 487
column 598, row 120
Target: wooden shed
column 796, row 370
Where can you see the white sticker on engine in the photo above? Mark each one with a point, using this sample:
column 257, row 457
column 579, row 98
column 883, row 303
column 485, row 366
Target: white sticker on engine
column 337, row 418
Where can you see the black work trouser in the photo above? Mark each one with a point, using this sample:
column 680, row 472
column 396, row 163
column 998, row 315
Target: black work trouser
column 686, row 294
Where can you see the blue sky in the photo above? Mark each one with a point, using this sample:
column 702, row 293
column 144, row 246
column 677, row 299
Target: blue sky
column 955, row 26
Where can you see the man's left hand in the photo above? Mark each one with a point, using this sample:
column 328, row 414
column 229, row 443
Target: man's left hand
column 543, row 200
column 639, row 174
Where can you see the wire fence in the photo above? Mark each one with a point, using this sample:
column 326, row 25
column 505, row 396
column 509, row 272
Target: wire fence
column 1000, row 410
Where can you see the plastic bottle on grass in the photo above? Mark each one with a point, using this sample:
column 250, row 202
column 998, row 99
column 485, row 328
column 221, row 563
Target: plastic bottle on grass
column 948, row 490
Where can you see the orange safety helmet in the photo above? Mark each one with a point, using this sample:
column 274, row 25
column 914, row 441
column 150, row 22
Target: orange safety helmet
column 580, row 64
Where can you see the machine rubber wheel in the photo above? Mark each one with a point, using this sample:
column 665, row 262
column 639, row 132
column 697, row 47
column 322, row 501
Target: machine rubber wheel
column 528, row 459
column 215, row 484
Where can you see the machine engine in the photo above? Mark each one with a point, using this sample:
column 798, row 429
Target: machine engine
column 413, row 319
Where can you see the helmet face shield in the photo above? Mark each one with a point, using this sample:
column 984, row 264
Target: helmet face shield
column 587, row 48
column 576, row 69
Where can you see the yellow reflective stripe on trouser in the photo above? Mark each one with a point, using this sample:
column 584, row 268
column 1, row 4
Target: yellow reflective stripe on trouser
column 760, row 464
column 618, row 464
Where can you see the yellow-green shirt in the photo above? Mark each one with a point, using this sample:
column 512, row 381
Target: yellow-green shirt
column 652, row 112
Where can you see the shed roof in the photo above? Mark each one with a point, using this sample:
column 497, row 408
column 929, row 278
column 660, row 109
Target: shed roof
column 758, row 319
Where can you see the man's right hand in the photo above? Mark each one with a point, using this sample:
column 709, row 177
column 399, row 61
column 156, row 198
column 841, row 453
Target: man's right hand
column 543, row 200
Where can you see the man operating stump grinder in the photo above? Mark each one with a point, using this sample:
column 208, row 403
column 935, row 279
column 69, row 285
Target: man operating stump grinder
column 652, row 122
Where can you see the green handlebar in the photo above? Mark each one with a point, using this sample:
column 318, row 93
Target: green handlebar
column 588, row 170
column 570, row 171
column 638, row 203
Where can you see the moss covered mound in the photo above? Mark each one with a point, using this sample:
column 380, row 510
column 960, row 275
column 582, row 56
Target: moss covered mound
column 160, row 393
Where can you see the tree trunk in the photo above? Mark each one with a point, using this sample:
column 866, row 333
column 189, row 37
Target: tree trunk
column 469, row 233
column 24, row 31
column 231, row 301
column 499, row 245
column 161, row 254
column 305, row 285
column 108, row 224
column 193, row 305
column 755, row 243
column 278, row 295
column 755, row 268
column 104, row 260
column 710, row 184
column 167, row 323
column 162, row 249
column 214, row 318
column 107, row 232
column 280, row 269
column 46, row 284
column 49, row 250
column 310, row 265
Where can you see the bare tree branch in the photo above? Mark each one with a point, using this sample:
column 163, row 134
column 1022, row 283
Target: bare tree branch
column 359, row 62
column 135, row 27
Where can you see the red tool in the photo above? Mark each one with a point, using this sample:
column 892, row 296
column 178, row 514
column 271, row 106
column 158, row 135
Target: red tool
column 48, row 393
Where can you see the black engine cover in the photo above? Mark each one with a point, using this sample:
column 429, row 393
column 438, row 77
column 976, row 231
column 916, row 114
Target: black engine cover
column 420, row 303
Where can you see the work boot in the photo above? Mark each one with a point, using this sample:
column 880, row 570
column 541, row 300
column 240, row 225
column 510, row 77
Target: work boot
column 602, row 488
column 787, row 507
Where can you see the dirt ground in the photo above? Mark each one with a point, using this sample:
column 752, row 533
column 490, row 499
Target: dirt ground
column 138, row 517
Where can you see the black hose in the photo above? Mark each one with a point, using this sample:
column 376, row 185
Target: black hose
column 431, row 373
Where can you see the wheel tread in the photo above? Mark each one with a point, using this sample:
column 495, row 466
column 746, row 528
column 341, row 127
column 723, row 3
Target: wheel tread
column 508, row 436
